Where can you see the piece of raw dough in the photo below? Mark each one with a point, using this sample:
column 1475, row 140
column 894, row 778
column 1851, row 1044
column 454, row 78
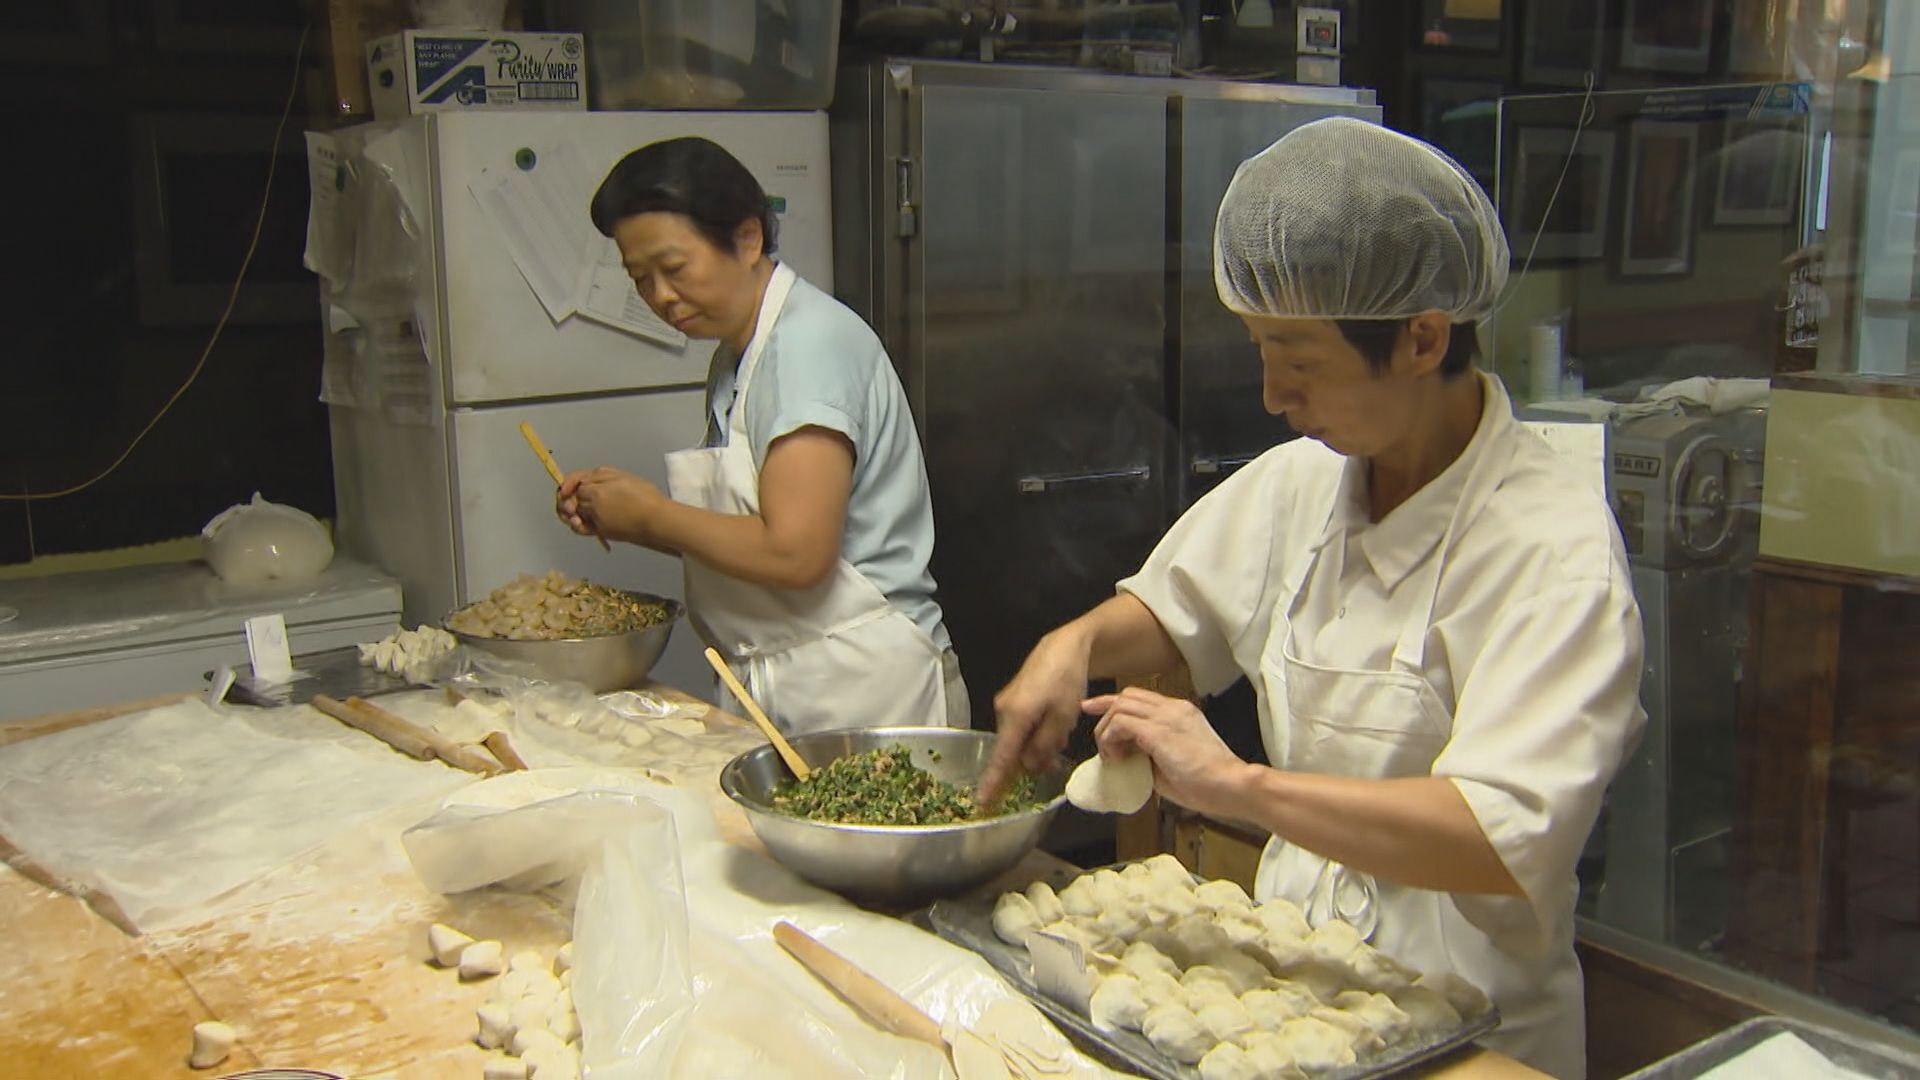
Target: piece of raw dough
column 1223, row 896
column 1378, row 1012
column 1104, row 786
column 1283, row 918
column 1177, row 1033
column 212, row 1042
column 1118, row 1003
column 1046, row 903
column 526, row 960
column 1315, row 1045
column 1014, row 918
column 533, row 1011
column 563, row 960
column 528, row 1039
column 1141, row 958
column 446, row 944
column 1227, row 1020
column 480, row 960
column 1432, row 1013
column 496, row 1025
column 1466, row 998
column 1334, row 940
column 503, row 1068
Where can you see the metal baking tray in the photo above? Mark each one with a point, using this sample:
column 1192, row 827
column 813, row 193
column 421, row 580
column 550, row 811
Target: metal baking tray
column 968, row 923
column 338, row 673
column 1877, row 1062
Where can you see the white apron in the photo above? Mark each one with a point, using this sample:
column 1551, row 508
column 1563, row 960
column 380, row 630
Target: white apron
column 1383, row 724
column 836, row 655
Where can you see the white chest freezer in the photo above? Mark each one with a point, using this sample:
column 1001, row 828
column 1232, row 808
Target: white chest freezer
column 76, row 641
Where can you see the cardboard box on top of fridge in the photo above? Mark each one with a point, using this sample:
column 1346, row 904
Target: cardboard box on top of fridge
column 420, row 71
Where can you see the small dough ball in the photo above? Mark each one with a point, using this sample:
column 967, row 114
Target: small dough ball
column 1177, row 1033
column 1046, row 902
column 532, row 1011
column 565, row 1023
column 496, row 1025
column 563, row 960
column 1284, row 918
column 526, row 960
column 212, row 1042
column 1223, row 896
column 1118, row 1003
column 1228, row 1062
column 1014, row 918
column 1466, row 998
column 446, row 944
column 480, row 960
column 529, row 1039
column 514, row 985
column 552, row 1061
column 1227, row 1020
column 1141, row 958
column 503, row 1068
column 1315, row 1045
column 1118, row 786
column 1334, row 940
column 1431, row 1012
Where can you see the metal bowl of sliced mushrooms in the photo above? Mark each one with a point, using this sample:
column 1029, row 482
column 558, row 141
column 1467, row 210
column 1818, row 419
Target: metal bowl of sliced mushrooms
column 567, row 629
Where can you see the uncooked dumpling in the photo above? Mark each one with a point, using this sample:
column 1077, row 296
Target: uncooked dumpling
column 1222, row 896
column 1138, row 876
column 1073, row 930
column 1431, row 1013
column 1244, row 972
column 1466, row 998
column 1176, row 1033
column 1319, row 980
column 1109, row 888
column 1241, row 928
column 1014, row 918
column 1118, row 1003
column 1124, row 919
column 1280, row 916
column 1271, row 1056
column 1228, row 1062
column 1315, row 1045
column 1300, row 1000
column 1078, row 898
column 1375, row 970
column 1159, row 988
column 1170, row 871
column 1105, row 786
column 1333, row 940
column 1226, row 1019
column 1364, row 1040
column 1168, row 904
column 1378, row 1012
column 1141, row 958
column 1271, row 1008
column 1046, row 903
column 1206, row 974
column 1194, row 938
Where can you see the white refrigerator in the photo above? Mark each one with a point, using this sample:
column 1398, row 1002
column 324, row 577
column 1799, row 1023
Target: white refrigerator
column 446, row 245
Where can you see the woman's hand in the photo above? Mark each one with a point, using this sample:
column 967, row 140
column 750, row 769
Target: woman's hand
column 609, row 502
column 1037, row 710
column 1191, row 765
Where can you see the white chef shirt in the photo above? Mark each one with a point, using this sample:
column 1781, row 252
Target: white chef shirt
column 1534, row 641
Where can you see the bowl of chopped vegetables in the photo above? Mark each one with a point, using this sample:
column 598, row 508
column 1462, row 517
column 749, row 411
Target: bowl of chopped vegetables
column 887, row 815
column 566, row 628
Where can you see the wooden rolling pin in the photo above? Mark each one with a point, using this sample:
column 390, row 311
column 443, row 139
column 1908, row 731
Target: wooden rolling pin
column 407, row 738
column 888, row 1010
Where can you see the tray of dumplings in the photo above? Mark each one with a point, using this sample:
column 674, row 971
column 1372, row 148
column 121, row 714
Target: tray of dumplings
column 1193, row 979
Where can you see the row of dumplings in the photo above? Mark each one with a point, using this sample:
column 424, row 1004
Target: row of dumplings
column 1244, row 991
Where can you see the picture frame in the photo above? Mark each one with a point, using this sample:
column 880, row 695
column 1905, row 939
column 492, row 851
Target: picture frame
column 1558, row 208
column 1760, row 166
column 1462, row 118
column 1673, row 36
column 1463, row 26
column 227, row 26
column 190, row 173
column 1656, row 220
column 76, row 33
column 1561, row 47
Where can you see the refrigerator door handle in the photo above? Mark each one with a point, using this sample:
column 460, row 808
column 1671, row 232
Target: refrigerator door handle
column 1215, row 466
column 1040, row 485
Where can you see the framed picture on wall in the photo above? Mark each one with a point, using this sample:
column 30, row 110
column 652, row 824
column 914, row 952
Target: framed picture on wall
column 1656, row 234
column 1473, row 26
column 1557, row 210
column 1462, row 117
column 1667, row 35
column 1759, row 177
column 1560, row 47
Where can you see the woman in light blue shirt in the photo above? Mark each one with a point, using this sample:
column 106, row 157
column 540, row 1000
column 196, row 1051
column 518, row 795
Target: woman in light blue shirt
column 803, row 520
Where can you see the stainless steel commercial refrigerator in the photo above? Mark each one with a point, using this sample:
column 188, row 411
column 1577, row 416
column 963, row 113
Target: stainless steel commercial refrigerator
column 1034, row 245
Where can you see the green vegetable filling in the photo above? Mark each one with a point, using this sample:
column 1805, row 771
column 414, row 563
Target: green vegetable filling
column 885, row 787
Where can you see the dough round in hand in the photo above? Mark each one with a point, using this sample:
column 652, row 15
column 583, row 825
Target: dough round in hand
column 1105, row 786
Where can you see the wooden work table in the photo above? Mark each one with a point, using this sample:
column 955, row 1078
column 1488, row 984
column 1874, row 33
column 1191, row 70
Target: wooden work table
column 321, row 964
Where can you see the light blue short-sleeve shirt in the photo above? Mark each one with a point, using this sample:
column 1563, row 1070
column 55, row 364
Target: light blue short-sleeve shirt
column 824, row 367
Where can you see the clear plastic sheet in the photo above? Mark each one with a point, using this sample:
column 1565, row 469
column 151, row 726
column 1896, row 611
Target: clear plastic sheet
column 62, row 612
column 164, row 811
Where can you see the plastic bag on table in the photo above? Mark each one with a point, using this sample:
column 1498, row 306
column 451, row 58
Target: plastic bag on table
column 263, row 541
column 632, row 985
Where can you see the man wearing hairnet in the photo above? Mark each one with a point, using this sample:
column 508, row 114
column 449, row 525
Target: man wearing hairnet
column 1432, row 607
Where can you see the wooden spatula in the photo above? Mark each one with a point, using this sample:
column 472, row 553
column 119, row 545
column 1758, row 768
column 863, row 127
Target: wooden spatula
column 553, row 467
column 787, row 753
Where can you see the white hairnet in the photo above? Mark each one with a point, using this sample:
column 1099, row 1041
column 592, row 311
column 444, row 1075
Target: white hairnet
column 1342, row 219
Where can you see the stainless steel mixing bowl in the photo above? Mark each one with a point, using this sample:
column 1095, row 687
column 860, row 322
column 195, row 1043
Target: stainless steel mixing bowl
column 895, row 865
column 607, row 662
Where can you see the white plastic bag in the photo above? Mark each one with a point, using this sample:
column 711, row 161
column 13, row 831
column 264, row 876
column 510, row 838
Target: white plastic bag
column 265, row 541
column 530, row 830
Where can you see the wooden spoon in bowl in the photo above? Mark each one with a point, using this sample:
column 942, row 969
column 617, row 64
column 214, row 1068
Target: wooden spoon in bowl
column 787, row 753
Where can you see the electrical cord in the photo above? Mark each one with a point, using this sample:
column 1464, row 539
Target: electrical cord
column 233, row 297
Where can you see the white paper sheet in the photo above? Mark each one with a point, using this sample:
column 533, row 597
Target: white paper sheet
column 541, row 214
column 1784, row 1057
column 610, row 299
column 325, row 254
